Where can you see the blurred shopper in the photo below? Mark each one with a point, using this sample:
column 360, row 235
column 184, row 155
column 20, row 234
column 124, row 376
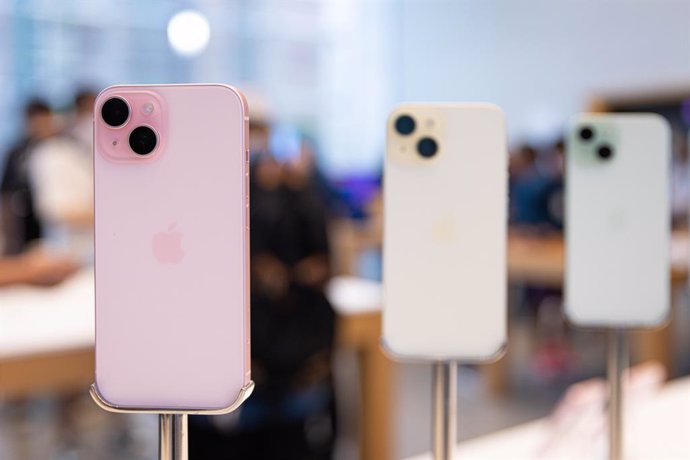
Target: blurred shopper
column 61, row 174
column 527, row 187
column 81, row 129
column 536, row 189
column 290, row 415
column 537, row 210
column 680, row 180
column 20, row 224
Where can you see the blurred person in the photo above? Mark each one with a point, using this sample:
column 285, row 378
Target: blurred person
column 535, row 188
column 526, row 188
column 36, row 268
column 323, row 187
column 555, row 188
column 680, row 180
column 537, row 209
column 259, row 136
column 290, row 415
column 81, row 129
column 61, row 174
column 20, row 224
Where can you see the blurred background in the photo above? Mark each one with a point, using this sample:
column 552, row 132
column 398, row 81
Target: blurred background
column 320, row 77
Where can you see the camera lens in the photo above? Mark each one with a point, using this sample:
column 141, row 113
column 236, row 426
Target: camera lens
column 404, row 125
column 586, row 133
column 427, row 147
column 605, row 152
column 115, row 111
column 142, row 140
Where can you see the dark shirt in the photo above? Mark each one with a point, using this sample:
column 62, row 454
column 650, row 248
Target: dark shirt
column 536, row 200
column 288, row 225
column 20, row 223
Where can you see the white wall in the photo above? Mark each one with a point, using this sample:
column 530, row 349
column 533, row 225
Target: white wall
column 541, row 60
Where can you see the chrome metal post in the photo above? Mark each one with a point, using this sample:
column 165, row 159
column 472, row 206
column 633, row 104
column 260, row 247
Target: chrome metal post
column 173, row 437
column 617, row 362
column 445, row 394
column 165, row 437
column 180, row 437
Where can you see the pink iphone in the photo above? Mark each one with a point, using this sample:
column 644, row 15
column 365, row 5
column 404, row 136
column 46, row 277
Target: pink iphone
column 172, row 247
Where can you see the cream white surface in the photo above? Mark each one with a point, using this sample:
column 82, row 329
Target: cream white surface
column 445, row 235
column 350, row 295
column 656, row 428
column 618, row 224
column 44, row 320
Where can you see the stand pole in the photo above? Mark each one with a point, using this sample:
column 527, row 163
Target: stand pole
column 617, row 362
column 165, row 437
column 181, row 437
column 445, row 394
column 173, row 437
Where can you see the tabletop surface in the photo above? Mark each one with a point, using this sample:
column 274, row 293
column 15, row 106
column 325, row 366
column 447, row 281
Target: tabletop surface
column 40, row 320
column 43, row 320
column 656, row 427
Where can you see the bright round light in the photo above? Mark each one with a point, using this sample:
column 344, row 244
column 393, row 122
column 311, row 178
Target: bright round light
column 188, row 32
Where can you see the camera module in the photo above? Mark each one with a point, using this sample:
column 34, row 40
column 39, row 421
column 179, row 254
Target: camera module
column 605, row 152
column 427, row 147
column 115, row 112
column 586, row 133
column 142, row 140
column 405, row 124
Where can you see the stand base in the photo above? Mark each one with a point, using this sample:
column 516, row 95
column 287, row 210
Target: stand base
column 245, row 392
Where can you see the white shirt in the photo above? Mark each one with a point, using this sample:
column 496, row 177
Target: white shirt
column 61, row 174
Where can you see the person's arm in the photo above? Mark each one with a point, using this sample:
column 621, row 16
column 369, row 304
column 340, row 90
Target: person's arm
column 35, row 268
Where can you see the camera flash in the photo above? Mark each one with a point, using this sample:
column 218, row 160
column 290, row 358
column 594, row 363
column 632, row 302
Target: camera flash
column 147, row 108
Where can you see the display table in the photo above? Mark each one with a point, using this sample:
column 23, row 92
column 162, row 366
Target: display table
column 46, row 345
column 358, row 304
column 540, row 261
column 655, row 428
column 46, row 334
column 46, row 338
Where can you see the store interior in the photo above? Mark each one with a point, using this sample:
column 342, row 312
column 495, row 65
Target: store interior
column 321, row 77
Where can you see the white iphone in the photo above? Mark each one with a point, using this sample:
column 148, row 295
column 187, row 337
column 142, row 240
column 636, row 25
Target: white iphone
column 445, row 198
column 618, row 220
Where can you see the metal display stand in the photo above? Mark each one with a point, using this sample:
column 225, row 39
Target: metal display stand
column 617, row 362
column 173, row 435
column 445, row 404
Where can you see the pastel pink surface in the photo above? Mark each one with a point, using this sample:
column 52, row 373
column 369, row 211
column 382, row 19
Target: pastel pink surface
column 171, row 269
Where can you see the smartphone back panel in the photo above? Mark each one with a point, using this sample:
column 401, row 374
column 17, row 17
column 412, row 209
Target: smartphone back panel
column 171, row 232
column 445, row 232
column 618, row 220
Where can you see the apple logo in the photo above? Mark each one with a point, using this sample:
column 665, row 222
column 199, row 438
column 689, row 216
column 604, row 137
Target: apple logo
column 445, row 230
column 167, row 246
